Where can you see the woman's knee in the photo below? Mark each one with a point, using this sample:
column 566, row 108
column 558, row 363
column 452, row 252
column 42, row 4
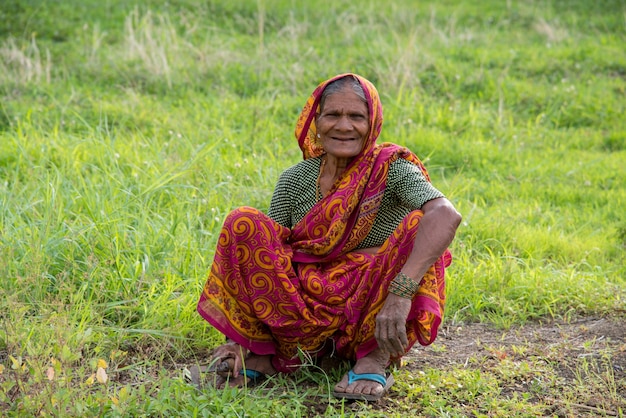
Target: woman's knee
column 241, row 216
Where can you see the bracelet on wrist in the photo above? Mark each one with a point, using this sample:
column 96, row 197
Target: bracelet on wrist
column 403, row 286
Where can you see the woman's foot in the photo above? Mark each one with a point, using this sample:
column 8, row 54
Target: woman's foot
column 227, row 358
column 253, row 365
column 375, row 363
column 233, row 365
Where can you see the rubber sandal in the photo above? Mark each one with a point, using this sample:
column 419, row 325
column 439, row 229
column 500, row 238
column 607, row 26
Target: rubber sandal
column 255, row 377
column 385, row 381
column 192, row 375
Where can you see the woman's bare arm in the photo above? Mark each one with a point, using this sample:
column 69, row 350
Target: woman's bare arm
column 435, row 233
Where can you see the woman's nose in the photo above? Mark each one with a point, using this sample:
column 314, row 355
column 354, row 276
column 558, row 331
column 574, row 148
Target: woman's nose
column 344, row 123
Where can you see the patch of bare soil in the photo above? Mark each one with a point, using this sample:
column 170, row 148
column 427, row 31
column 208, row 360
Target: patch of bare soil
column 586, row 361
column 581, row 338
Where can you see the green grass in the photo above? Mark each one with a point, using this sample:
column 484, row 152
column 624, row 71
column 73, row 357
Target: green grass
column 129, row 129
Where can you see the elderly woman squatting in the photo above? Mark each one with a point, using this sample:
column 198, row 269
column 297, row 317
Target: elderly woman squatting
column 349, row 260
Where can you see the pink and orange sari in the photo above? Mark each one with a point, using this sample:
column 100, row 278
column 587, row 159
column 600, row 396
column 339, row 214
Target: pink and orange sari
column 276, row 290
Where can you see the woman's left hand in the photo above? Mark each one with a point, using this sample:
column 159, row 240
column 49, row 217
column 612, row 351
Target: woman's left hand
column 391, row 325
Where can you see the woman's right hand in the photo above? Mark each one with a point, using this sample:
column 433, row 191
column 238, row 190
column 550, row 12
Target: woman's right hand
column 391, row 325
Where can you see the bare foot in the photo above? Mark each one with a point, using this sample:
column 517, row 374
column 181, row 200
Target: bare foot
column 375, row 362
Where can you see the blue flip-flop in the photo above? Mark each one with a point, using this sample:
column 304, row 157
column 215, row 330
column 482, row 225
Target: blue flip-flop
column 385, row 381
column 255, row 377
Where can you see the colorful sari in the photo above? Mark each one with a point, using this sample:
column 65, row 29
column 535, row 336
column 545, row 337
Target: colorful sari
column 277, row 291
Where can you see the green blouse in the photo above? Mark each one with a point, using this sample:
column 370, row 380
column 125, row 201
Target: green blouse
column 407, row 189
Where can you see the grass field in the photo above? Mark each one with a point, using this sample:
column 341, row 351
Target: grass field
column 129, row 129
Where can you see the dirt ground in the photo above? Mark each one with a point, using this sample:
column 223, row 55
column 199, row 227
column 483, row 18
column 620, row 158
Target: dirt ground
column 465, row 341
column 564, row 346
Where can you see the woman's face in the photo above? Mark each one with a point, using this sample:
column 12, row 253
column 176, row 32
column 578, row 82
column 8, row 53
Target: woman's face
column 343, row 124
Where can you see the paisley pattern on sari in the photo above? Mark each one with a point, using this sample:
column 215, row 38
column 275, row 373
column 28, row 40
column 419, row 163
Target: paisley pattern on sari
column 276, row 290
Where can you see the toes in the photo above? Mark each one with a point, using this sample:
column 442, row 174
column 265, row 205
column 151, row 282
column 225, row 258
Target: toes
column 219, row 382
column 360, row 387
column 342, row 385
column 232, row 382
column 376, row 390
column 238, row 382
column 365, row 387
column 356, row 387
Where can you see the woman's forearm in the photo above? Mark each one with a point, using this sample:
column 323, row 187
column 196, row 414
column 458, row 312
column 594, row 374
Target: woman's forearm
column 434, row 234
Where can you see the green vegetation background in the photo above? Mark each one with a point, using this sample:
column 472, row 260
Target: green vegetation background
column 129, row 129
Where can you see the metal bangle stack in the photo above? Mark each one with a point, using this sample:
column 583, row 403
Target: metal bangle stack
column 403, row 286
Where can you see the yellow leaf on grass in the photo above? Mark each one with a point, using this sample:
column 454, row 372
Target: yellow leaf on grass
column 1, row 368
column 91, row 379
column 123, row 393
column 114, row 400
column 50, row 373
column 102, row 363
column 15, row 362
column 101, row 375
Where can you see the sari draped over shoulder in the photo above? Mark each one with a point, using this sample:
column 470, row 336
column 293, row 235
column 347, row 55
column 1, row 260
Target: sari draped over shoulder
column 278, row 290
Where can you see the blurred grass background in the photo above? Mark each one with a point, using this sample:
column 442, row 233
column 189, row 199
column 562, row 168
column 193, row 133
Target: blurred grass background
column 129, row 129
